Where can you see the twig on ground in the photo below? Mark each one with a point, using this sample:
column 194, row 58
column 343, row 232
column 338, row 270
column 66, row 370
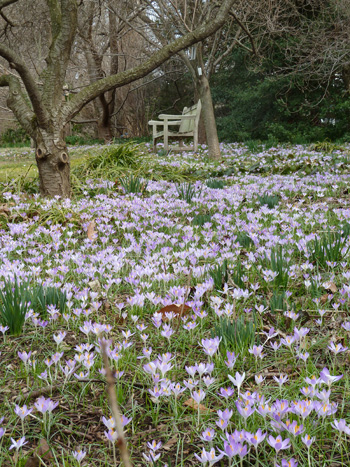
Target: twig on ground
column 114, row 408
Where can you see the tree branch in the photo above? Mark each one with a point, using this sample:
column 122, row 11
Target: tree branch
column 241, row 25
column 92, row 91
column 33, row 92
column 63, row 15
column 17, row 103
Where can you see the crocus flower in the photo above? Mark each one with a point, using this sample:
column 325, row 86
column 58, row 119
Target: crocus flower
column 210, row 457
column 18, row 444
column 22, row 412
column 208, row 435
column 337, row 348
column 327, row 378
column 259, row 379
column 281, row 380
column 278, row 443
column 231, row 359
column 79, row 455
column 111, row 435
column 257, row 351
column 307, row 440
column 293, row 428
column 24, row 356
column 341, row 426
column 291, row 463
column 154, row 446
column 2, row 432
column 226, row 392
column 255, row 439
column 237, row 380
column 198, row 396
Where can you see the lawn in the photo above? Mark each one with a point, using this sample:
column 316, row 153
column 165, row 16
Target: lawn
column 221, row 290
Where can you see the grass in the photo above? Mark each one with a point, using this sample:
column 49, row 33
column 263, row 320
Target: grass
column 247, row 276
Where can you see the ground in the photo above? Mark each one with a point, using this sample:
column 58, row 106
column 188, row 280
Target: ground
column 222, row 289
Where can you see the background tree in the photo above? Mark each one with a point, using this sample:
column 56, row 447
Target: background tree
column 38, row 102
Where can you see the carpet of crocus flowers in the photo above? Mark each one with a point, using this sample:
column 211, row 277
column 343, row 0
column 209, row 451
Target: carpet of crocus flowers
column 138, row 272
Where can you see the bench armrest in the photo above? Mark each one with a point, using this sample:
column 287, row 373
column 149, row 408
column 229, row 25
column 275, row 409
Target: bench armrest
column 156, row 123
column 176, row 117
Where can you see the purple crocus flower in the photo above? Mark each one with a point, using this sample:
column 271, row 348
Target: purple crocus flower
column 210, row 457
column 208, row 435
column 255, row 439
column 22, row 412
column 237, row 380
column 307, row 440
column 341, row 426
column 18, row 444
column 278, row 443
column 226, row 392
column 327, row 378
column 291, row 463
column 245, row 411
column 79, row 455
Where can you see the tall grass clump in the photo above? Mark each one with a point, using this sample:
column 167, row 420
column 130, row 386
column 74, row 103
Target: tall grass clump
column 215, row 184
column 219, row 274
column 329, row 249
column 14, row 304
column 187, row 192
column 269, row 200
column 46, row 296
column 111, row 162
column 133, row 184
column 238, row 335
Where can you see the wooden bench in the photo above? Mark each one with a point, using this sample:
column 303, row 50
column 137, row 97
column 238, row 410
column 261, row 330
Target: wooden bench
column 188, row 127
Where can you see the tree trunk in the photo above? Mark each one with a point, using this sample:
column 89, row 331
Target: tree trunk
column 53, row 165
column 208, row 117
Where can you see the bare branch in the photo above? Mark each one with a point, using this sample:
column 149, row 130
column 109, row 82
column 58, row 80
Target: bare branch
column 94, row 90
column 17, row 103
column 33, row 92
column 121, row 443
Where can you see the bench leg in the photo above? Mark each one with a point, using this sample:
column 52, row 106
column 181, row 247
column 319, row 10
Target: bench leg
column 195, row 142
column 166, row 142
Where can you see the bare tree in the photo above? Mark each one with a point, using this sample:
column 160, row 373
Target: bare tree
column 38, row 104
column 178, row 17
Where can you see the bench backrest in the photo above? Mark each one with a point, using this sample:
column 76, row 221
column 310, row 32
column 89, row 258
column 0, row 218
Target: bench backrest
column 188, row 125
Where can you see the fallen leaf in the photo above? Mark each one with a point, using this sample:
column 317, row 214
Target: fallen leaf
column 168, row 445
column 91, row 233
column 42, row 451
column 193, row 405
column 330, row 286
column 324, row 299
column 177, row 310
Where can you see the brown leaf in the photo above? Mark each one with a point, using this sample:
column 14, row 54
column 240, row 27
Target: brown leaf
column 4, row 210
column 168, row 445
column 178, row 310
column 91, row 233
column 42, row 451
column 330, row 286
column 193, row 404
column 324, row 299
